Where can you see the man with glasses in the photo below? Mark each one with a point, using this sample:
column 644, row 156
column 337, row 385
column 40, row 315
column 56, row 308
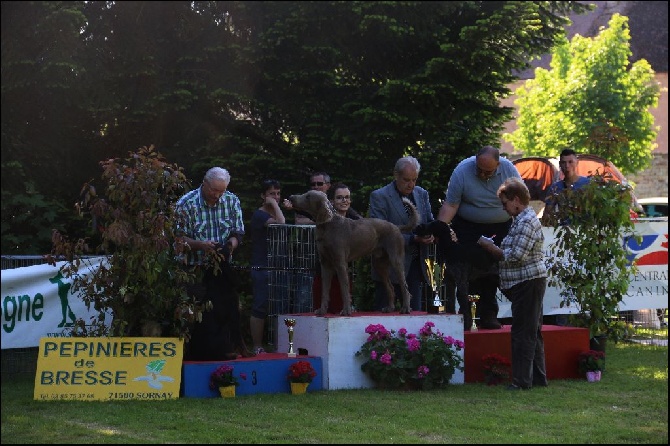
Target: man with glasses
column 317, row 181
column 304, row 281
column 472, row 207
column 386, row 203
column 210, row 226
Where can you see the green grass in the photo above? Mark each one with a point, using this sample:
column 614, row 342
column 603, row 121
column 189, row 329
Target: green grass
column 629, row 405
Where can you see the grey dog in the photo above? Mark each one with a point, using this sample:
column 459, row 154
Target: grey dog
column 341, row 240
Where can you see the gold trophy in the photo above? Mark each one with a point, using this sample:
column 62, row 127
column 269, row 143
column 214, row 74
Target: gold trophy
column 436, row 276
column 290, row 323
column 473, row 298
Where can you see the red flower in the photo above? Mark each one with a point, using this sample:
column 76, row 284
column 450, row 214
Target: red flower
column 301, row 372
column 591, row 361
column 496, row 368
column 223, row 376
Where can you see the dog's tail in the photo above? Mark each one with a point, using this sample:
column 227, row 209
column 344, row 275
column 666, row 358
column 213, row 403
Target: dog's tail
column 413, row 216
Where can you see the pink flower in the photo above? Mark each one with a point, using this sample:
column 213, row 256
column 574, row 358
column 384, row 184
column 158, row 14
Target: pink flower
column 413, row 345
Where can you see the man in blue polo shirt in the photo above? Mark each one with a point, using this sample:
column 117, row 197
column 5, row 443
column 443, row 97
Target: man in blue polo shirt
column 473, row 209
column 567, row 162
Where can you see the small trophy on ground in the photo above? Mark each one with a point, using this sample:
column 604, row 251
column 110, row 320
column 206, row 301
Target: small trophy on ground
column 473, row 298
column 436, row 276
column 290, row 323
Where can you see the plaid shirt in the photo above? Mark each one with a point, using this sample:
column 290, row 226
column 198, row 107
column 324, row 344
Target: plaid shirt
column 199, row 221
column 522, row 251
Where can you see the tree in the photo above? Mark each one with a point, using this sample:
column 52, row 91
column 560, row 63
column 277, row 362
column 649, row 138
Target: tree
column 262, row 88
column 590, row 264
column 593, row 100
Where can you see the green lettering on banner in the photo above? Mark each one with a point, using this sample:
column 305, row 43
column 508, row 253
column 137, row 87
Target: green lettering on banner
column 108, row 368
column 13, row 310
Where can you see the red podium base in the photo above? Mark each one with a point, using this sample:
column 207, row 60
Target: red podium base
column 562, row 346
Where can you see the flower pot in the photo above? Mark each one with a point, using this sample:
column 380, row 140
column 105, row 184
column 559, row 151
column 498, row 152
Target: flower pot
column 227, row 391
column 593, row 376
column 299, row 388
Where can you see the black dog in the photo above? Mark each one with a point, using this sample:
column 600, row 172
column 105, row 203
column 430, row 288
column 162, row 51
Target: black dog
column 462, row 264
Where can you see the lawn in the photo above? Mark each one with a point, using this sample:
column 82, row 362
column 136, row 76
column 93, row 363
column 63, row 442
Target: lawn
column 629, row 405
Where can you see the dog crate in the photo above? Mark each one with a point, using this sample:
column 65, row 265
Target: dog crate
column 292, row 262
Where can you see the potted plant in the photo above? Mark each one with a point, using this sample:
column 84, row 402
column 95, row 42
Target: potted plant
column 300, row 374
column 223, row 379
column 591, row 363
column 409, row 361
column 589, row 262
column 496, row 368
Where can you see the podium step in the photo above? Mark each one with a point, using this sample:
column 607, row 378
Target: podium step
column 266, row 373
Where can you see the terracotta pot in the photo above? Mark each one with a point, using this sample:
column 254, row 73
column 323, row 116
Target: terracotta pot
column 299, row 388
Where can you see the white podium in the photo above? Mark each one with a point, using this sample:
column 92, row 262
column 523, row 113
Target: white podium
column 336, row 339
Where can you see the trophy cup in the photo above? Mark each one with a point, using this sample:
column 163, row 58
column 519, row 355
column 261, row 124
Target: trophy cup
column 473, row 298
column 436, row 276
column 290, row 323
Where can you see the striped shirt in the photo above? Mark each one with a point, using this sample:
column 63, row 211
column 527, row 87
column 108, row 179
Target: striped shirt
column 523, row 258
column 199, row 221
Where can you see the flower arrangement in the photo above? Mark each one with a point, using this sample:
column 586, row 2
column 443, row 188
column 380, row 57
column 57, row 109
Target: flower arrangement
column 591, row 361
column 496, row 368
column 223, row 376
column 411, row 361
column 301, row 372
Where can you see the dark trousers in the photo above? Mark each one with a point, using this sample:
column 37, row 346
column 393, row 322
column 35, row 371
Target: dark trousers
column 219, row 335
column 528, row 365
column 467, row 249
column 414, row 284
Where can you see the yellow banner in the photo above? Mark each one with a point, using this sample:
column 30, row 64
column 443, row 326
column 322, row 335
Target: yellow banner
column 108, row 369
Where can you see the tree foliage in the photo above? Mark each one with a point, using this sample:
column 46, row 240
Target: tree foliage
column 142, row 283
column 265, row 89
column 591, row 266
column 593, row 99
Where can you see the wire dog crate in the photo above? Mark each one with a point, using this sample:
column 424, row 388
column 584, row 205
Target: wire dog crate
column 292, row 262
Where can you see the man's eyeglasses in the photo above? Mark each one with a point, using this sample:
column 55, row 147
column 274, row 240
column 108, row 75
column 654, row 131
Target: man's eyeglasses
column 317, row 183
column 485, row 173
column 343, row 198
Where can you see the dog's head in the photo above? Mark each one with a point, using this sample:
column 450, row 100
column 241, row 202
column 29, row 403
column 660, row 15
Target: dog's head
column 315, row 203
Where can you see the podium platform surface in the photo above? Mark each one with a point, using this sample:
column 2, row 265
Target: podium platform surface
column 336, row 339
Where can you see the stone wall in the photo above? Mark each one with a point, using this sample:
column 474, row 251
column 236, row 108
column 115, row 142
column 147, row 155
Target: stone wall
column 652, row 182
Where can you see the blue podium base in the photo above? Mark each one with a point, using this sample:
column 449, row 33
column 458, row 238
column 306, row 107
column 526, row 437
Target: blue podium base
column 266, row 373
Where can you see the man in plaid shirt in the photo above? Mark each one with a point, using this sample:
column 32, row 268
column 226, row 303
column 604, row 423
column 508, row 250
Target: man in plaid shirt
column 209, row 222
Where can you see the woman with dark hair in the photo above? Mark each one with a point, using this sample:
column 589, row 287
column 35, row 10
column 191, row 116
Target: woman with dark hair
column 341, row 200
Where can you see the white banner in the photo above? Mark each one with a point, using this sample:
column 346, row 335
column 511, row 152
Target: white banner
column 37, row 302
column 648, row 287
